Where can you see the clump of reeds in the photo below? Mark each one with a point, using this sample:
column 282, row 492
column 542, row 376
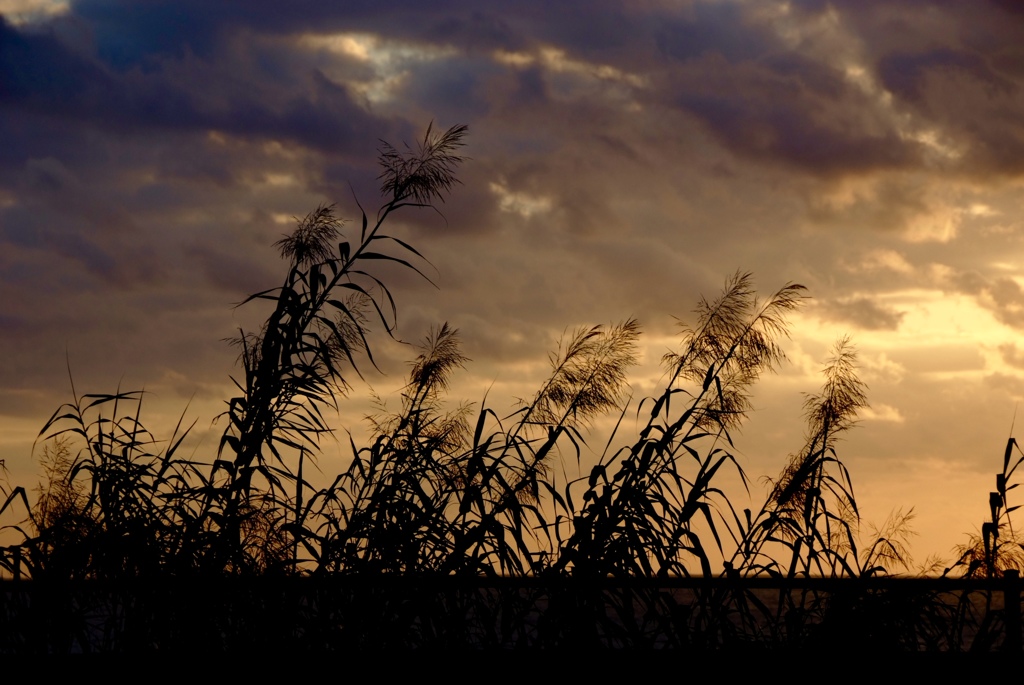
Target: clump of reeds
column 997, row 547
column 457, row 491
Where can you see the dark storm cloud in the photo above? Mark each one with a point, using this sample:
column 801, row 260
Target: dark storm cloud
column 35, row 65
column 1011, row 355
column 186, row 68
column 171, row 27
column 758, row 96
column 127, row 37
column 905, row 74
column 454, row 88
column 233, row 272
column 69, row 238
column 863, row 313
column 57, row 213
column 956, row 67
column 1002, row 296
column 48, row 80
column 1012, row 385
column 777, row 124
column 762, row 99
column 972, row 101
column 719, row 28
column 892, row 206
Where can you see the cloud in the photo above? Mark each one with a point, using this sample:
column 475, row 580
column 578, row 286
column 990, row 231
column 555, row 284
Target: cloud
column 50, row 80
column 953, row 73
column 790, row 112
column 1011, row 355
column 904, row 74
column 861, row 312
column 1010, row 384
column 1002, row 296
column 32, row 11
column 715, row 28
column 882, row 412
column 888, row 260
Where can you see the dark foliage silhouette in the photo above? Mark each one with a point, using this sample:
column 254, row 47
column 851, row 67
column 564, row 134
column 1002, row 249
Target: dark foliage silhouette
column 453, row 525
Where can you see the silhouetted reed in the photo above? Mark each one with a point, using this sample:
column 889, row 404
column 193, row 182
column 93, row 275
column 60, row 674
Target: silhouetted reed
column 448, row 528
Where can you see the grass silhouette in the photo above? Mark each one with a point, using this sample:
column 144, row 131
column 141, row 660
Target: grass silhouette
column 448, row 527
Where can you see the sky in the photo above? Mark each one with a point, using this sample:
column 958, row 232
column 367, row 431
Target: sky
column 623, row 160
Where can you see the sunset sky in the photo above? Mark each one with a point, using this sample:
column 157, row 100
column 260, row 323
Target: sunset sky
column 624, row 158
